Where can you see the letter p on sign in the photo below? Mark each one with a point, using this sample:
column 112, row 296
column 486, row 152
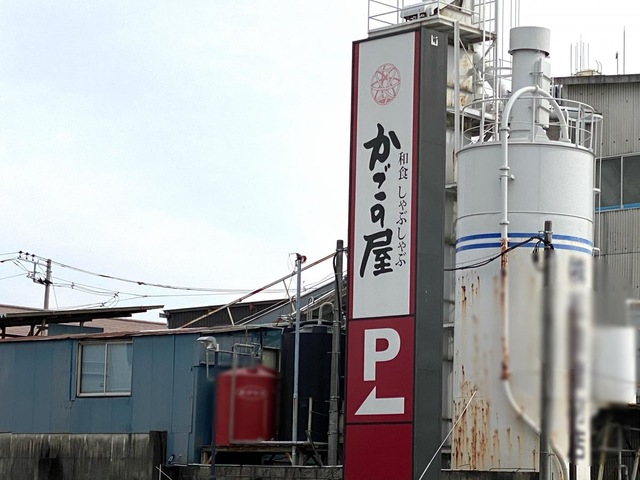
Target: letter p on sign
column 372, row 355
column 380, row 370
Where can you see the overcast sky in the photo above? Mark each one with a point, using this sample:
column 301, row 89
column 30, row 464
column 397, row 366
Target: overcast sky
column 195, row 143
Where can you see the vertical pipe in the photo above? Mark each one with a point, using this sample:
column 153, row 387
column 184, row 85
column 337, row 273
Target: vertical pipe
column 574, row 357
column 621, row 180
column 634, row 470
column 232, row 394
column 456, row 86
column 334, row 398
column 546, row 380
column 212, row 470
column 624, row 50
column 47, row 285
column 570, row 59
column 296, row 362
column 620, row 446
column 504, row 186
column 603, row 449
column 497, row 64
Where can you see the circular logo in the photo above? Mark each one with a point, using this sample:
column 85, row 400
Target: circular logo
column 385, row 83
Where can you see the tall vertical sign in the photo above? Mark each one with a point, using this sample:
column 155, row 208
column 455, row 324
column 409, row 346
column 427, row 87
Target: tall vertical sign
column 387, row 174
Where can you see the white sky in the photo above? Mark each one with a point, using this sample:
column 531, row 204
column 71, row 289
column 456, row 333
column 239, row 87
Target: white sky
column 196, row 143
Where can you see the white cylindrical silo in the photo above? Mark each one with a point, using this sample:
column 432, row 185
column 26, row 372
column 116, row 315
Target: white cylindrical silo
column 506, row 192
column 553, row 182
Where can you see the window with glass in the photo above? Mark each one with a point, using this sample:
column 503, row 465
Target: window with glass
column 619, row 182
column 104, row 369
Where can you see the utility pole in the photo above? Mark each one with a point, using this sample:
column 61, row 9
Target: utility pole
column 547, row 350
column 300, row 259
column 334, row 390
column 47, row 285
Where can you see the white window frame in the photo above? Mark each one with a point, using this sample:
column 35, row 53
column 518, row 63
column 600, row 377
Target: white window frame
column 104, row 393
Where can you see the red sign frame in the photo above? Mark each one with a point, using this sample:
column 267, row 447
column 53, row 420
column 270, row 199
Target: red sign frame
column 392, row 368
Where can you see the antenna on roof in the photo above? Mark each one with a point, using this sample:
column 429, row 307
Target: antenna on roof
column 624, row 50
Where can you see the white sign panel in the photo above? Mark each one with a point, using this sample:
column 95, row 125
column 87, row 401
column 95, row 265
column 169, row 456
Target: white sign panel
column 382, row 177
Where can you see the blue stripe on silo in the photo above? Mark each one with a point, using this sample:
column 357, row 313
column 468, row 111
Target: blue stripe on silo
column 558, row 241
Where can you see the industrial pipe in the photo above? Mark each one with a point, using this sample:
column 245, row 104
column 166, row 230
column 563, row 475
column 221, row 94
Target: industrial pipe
column 504, row 241
column 296, row 361
column 334, row 390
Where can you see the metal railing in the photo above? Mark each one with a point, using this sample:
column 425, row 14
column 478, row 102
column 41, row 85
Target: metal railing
column 480, row 121
column 384, row 14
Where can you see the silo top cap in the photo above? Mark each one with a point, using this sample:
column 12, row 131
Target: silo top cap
column 530, row 38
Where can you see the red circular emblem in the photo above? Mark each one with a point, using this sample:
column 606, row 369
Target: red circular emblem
column 385, row 83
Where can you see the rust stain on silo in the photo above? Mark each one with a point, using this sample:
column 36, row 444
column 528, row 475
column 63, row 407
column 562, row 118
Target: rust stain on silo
column 504, row 309
column 496, row 443
column 471, row 441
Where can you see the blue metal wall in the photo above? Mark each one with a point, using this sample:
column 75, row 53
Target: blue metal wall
column 170, row 391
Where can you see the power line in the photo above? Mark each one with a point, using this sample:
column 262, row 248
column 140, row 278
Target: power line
column 495, row 257
column 221, row 291
column 12, row 276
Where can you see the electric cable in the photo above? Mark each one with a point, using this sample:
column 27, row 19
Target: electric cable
column 498, row 255
column 12, row 276
column 140, row 282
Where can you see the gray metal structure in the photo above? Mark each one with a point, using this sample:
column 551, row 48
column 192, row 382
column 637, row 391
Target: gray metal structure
column 617, row 236
column 430, row 258
column 617, row 98
column 619, row 242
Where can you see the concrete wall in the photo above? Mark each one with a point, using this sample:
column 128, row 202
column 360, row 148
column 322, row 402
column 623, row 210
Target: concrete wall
column 81, row 457
column 255, row 472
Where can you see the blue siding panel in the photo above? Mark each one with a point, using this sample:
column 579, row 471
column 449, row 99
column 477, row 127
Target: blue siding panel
column 161, row 376
column 99, row 418
column 183, row 383
column 42, row 382
column 170, row 391
column 142, row 385
column 203, row 408
column 178, row 445
column 61, row 388
column 121, row 410
column 22, row 407
column 7, row 375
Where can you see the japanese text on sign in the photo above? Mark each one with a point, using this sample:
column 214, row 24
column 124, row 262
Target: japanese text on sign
column 379, row 243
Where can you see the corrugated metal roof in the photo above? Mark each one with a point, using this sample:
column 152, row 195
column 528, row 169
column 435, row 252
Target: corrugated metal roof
column 262, row 311
column 114, row 335
column 64, row 316
column 24, row 321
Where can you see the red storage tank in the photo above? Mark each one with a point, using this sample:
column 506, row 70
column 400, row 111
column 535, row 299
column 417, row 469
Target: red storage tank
column 253, row 405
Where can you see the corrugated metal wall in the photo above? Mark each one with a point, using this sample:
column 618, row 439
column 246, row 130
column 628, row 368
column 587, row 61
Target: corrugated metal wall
column 619, row 237
column 619, row 104
column 37, row 391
